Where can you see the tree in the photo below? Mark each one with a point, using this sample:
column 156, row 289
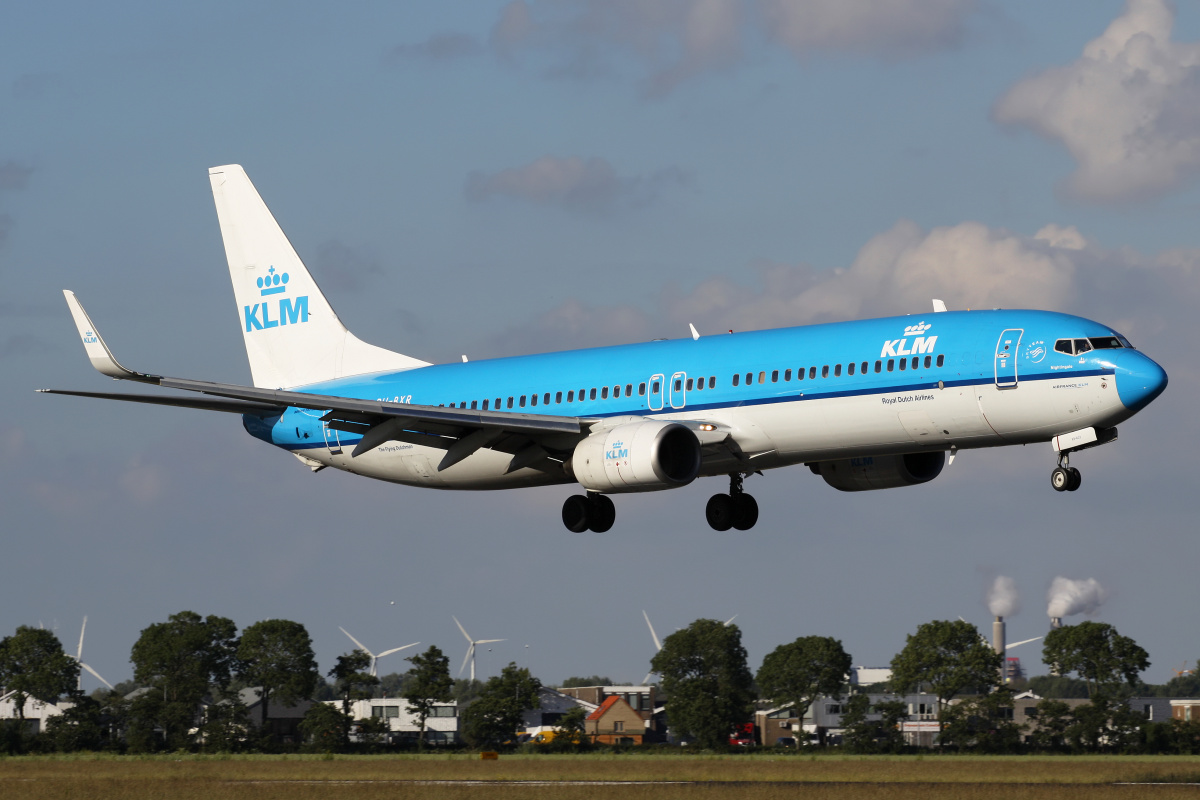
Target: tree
column 431, row 683
column 225, row 725
column 592, row 680
column 79, row 727
column 703, row 669
column 323, row 727
column 1097, row 653
column 276, row 657
column 179, row 661
column 1054, row 720
column 352, row 677
column 496, row 714
column 983, row 723
column 865, row 735
column 569, row 733
column 33, row 664
column 795, row 674
column 948, row 657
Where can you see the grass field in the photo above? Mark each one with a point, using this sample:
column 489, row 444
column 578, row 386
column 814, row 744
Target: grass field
column 659, row 777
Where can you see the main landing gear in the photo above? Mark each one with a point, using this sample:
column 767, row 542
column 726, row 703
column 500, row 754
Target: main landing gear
column 1065, row 478
column 734, row 510
column 595, row 512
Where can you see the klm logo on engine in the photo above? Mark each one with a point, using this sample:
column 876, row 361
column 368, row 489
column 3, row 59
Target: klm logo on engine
column 920, row 344
column 618, row 450
column 272, row 314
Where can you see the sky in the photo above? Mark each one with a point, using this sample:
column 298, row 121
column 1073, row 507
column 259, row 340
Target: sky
column 498, row 178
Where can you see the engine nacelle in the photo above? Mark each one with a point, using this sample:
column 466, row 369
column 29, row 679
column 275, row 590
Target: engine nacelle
column 637, row 457
column 880, row 472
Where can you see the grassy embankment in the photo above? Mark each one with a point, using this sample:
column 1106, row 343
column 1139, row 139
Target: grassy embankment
column 752, row 777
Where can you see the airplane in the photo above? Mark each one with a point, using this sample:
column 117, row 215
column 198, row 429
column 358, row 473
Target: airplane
column 866, row 404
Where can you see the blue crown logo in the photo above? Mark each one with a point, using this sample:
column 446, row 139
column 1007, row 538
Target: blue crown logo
column 272, row 283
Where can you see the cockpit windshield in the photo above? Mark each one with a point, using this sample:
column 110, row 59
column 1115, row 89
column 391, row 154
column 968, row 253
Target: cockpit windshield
column 1074, row 347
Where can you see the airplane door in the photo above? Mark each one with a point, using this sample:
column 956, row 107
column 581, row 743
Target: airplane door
column 654, row 397
column 678, row 390
column 332, row 441
column 1006, row 357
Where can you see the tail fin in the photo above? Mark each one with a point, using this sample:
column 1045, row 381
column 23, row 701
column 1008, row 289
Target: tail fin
column 292, row 335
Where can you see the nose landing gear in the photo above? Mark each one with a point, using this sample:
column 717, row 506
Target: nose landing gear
column 734, row 510
column 595, row 512
column 1065, row 478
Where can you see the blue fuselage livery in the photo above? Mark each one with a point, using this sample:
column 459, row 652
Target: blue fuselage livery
column 868, row 404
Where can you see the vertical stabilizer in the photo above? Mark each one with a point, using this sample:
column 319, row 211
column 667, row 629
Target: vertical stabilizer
column 293, row 337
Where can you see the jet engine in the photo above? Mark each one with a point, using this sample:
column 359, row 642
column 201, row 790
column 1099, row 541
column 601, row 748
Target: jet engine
column 637, row 457
column 880, row 472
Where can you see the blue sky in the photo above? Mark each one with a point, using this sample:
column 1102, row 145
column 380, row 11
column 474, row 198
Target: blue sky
column 500, row 178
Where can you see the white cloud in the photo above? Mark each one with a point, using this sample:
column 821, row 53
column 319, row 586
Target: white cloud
column 1128, row 110
column 878, row 27
column 574, row 183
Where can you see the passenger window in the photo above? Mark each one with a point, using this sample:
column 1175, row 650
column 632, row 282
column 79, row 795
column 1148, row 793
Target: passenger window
column 762, row 377
column 891, row 364
column 699, row 384
column 825, row 371
column 485, row 405
column 736, row 379
column 678, row 384
column 546, row 399
column 749, row 378
column 603, row 392
column 864, row 368
column 571, row 396
column 712, row 381
column 641, row 390
column 558, row 398
column 916, row 362
column 689, row 384
column 498, row 404
column 774, row 376
column 941, row 360
column 522, row 401
column 1064, row 346
column 812, row 372
column 800, row 374
column 878, row 366
column 787, row 375
column 510, row 402
column 463, row 404
column 903, row 364
column 592, row 396
column 533, row 400
column 474, row 404
column 1082, row 346
column 837, row 371
column 928, row 361
column 654, row 388
column 850, row 368
column 629, row 390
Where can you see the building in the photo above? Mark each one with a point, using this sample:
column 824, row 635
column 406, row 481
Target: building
column 1185, row 709
column 283, row 720
column 615, row 722
column 441, row 726
column 552, row 704
column 642, row 699
column 36, row 712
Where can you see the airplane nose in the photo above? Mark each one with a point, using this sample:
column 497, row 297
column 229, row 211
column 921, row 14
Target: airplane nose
column 1139, row 380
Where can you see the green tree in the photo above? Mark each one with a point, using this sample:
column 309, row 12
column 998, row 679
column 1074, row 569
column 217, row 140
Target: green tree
column 1095, row 651
column 352, row 681
column 591, row 680
column 947, row 657
column 179, row 662
column 495, row 715
column 865, row 735
column 466, row 690
column 79, row 727
column 569, row 733
column 226, row 725
column 431, row 684
column 323, row 728
column 276, row 657
column 1058, row 687
column 33, row 664
column 703, row 669
column 1053, row 721
column 982, row 723
column 796, row 674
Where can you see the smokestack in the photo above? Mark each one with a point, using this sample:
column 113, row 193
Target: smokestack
column 1055, row 623
column 998, row 635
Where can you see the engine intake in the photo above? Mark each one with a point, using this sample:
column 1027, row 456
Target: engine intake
column 880, row 472
column 637, row 457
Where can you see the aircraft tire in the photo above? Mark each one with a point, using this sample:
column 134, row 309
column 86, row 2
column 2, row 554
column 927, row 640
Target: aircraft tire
column 602, row 513
column 1060, row 479
column 575, row 513
column 745, row 512
column 719, row 512
column 1075, row 479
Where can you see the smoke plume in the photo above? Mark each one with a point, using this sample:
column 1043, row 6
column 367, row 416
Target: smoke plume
column 1067, row 597
column 1002, row 599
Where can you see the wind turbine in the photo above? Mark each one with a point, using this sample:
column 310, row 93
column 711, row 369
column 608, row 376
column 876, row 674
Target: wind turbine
column 79, row 659
column 470, row 647
column 373, row 656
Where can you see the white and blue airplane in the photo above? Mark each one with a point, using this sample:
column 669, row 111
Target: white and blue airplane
column 869, row 404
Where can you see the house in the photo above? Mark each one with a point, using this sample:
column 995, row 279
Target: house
column 552, row 704
column 615, row 722
column 441, row 726
column 1185, row 709
column 36, row 712
column 283, row 720
column 642, row 699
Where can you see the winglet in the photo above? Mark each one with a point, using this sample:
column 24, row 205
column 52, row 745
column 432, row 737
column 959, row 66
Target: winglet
column 97, row 351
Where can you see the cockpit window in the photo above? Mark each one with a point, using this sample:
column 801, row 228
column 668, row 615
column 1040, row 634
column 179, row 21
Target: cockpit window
column 1082, row 346
column 1106, row 342
column 1065, row 346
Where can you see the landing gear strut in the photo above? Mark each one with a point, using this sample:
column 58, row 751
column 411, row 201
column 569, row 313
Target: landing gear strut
column 1065, row 478
column 594, row 512
column 734, row 510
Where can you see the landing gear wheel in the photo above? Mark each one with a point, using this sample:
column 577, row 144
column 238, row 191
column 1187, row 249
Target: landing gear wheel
column 1074, row 479
column 575, row 513
column 601, row 514
column 1060, row 479
column 745, row 512
column 719, row 512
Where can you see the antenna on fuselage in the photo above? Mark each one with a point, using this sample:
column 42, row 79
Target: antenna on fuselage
column 938, row 305
column 695, row 333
